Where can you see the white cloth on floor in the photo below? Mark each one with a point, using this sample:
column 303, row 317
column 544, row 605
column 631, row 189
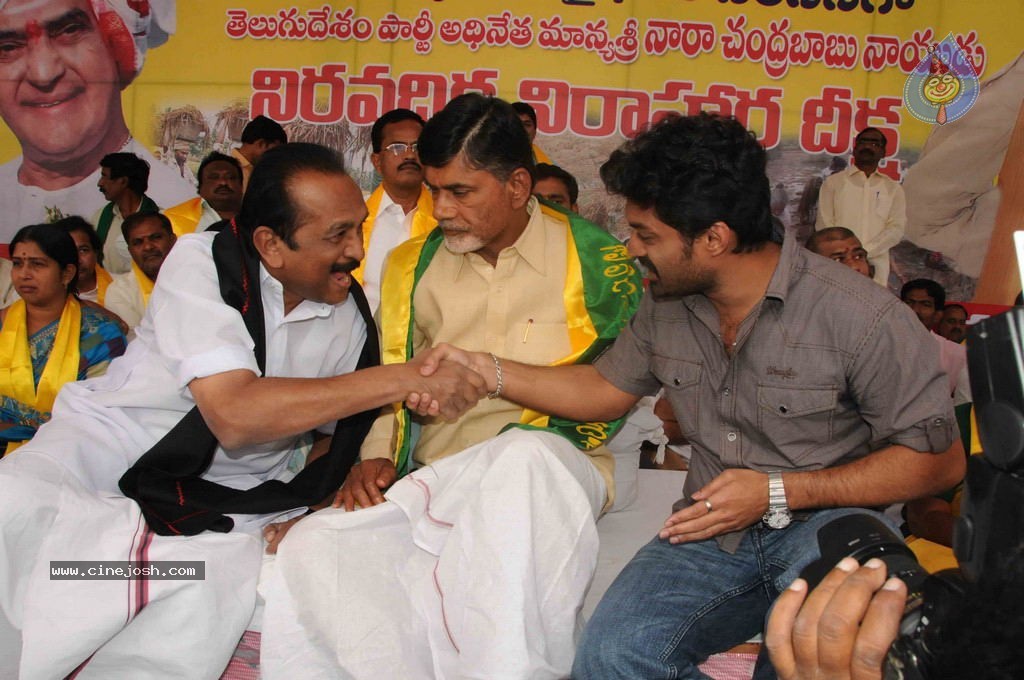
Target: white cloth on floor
column 476, row 568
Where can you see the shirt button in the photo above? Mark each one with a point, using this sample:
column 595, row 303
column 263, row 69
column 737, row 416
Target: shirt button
column 676, row 381
column 939, row 421
column 726, row 392
column 731, row 436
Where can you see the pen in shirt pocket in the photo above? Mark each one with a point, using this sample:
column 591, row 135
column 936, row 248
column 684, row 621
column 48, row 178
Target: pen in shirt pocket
column 526, row 333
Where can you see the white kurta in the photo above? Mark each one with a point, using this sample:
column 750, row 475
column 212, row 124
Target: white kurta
column 124, row 298
column 872, row 207
column 391, row 226
column 476, row 567
column 61, row 500
column 25, row 204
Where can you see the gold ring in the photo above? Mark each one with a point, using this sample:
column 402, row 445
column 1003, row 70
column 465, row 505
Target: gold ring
column 707, row 504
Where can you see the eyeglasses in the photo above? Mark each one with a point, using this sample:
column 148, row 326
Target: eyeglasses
column 401, row 148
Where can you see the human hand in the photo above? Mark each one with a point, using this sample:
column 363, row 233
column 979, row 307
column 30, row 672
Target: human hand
column 364, row 484
column 449, row 390
column 274, row 533
column 842, row 630
column 480, row 362
column 733, row 500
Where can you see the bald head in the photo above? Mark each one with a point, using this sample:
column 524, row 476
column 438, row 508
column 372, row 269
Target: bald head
column 843, row 246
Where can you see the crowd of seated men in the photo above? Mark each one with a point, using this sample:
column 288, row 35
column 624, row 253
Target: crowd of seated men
column 79, row 288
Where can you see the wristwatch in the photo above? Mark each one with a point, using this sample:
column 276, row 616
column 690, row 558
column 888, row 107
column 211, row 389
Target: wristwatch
column 778, row 515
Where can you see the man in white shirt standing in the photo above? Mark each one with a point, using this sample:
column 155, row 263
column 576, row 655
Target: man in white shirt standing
column 400, row 207
column 866, row 201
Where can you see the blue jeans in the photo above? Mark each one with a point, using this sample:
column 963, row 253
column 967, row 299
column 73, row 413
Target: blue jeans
column 675, row 605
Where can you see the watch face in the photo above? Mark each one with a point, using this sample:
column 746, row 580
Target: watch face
column 778, row 519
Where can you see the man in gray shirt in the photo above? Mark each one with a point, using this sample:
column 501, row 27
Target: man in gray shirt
column 795, row 379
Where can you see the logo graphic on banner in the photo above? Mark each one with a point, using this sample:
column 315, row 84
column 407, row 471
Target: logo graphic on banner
column 943, row 86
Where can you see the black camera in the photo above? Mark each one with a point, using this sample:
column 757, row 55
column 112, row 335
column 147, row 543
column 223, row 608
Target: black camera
column 990, row 529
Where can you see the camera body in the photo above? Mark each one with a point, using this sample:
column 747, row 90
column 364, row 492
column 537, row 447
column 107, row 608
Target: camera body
column 991, row 525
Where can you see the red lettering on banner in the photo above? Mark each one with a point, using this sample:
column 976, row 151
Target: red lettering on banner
column 393, row 28
column 275, row 94
column 500, row 30
column 830, row 121
column 315, row 24
column 690, row 38
column 550, row 99
column 331, row 77
column 592, row 37
column 364, row 108
column 826, row 121
column 779, row 48
column 478, row 80
column 728, row 100
column 599, row 112
column 429, row 88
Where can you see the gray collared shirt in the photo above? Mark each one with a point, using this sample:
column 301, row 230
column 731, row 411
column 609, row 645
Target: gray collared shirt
column 828, row 367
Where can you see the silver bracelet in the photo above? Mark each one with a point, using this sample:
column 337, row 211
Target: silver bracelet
column 496, row 394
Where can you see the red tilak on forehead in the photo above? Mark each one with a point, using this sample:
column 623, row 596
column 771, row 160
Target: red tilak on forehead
column 33, row 30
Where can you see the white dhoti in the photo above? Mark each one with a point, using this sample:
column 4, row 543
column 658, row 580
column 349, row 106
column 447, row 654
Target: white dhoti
column 109, row 628
column 476, row 568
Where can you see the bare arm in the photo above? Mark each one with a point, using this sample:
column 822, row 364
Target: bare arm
column 576, row 392
column 243, row 409
column 739, row 497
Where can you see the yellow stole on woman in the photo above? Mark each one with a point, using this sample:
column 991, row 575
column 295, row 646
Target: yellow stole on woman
column 602, row 290
column 16, row 377
column 422, row 222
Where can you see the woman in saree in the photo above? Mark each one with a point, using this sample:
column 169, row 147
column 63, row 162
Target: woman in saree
column 48, row 338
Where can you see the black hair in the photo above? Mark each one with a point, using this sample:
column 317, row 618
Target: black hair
column 548, row 171
column 871, row 129
column 55, row 243
column 138, row 218
column 214, row 157
column 393, row 116
column 694, row 171
column 485, row 129
column 828, row 234
column 73, row 223
column 268, row 200
column 935, row 291
column 956, row 305
column 263, row 128
column 524, row 109
column 124, row 164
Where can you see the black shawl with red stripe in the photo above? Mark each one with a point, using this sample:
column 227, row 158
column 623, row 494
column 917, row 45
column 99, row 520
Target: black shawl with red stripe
column 167, row 482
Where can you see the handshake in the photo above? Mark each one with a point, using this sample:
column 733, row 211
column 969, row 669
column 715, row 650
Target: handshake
column 446, row 381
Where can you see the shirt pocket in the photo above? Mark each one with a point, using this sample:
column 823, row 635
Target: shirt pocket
column 796, row 419
column 681, row 382
column 883, row 204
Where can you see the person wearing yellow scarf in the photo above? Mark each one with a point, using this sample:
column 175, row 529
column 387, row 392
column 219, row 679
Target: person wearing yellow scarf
column 93, row 280
column 47, row 339
column 400, row 208
column 149, row 237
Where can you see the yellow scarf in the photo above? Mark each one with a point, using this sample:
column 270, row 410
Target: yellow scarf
column 145, row 284
column 601, row 293
column 185, row 216
column 16, row 377
column 422, row 222
column 103, row 281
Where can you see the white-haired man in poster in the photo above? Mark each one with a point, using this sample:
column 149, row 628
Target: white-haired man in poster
column 63, row 64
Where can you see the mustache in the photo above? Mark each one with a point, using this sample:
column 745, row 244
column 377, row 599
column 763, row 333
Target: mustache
column 346, row 268
column 410, row 164
column 648, row 265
